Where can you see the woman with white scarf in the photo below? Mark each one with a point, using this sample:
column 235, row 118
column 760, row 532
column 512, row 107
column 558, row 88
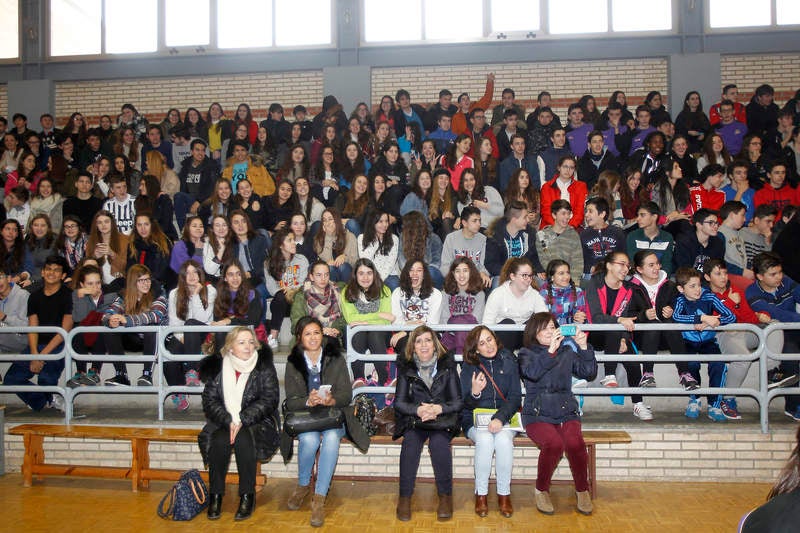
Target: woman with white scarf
column 240, row 401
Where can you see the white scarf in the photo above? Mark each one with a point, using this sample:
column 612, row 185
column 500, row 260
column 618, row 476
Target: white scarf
column 233, row 389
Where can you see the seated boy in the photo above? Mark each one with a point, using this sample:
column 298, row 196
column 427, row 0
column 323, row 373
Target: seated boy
column 701, row 307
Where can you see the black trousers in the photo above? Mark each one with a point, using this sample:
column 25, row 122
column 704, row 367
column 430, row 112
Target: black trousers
column 113, row 342
column 376, row 342
column 279, row 308
column 98, row 347
column 649, row 342
column 634, row 371
column 175, row 371
column 219, row 460
column 441, row 459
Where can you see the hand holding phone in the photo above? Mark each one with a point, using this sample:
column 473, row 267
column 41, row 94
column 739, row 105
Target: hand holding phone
column 569, row 330
column 324, row 391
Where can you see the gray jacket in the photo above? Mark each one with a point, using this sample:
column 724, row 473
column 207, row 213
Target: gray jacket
column 15, row 307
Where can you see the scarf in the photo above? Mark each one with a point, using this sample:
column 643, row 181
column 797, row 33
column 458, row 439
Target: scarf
column 74, row 251
column 232, row 388
column 323, row 304
column 426, row 370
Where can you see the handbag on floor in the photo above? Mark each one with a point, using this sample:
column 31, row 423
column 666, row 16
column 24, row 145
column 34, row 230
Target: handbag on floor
column 186, row 499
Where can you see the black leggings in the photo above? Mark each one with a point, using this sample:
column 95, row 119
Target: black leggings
column 376, row 342
column 649, row 342
column 113, row 342
column 219, row 459
column 633, row 370
column 279, row 308
column 80, row 346
column 175, row 371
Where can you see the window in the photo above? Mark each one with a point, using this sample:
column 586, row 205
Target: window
column 453, row 20
column 244, row 24
column 188, row 22
column 9, row 29
column 738, row 13
column 634, row 15
column 787, row 11
column 75, row 27
column 578, row 16
column 131, row 29
column 515, row 15
column 384, row 22
column 303, row 22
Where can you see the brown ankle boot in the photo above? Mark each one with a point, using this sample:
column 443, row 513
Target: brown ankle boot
column 481, row 505
column 404, row 508
column 445, row 510
column 297, row 497
column 506, row 509
column 317, row 510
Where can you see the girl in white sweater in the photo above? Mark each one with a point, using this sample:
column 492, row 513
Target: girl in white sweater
column 380, row 245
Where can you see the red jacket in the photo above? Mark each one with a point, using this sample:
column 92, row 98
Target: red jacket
column 699, row 197
column 577, row 199
column 738, row 113
column 460, row 124
column 744, row 313
column 780, row 198
column 476, row 140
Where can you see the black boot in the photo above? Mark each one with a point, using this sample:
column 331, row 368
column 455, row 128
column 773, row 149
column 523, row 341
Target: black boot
column 246, row 505
column 215, row 506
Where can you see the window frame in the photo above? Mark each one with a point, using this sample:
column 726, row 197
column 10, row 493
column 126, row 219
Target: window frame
column 773, row 25
column 163, row 50
column 18, row 58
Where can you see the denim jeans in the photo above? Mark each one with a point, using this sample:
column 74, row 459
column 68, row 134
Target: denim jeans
column 342, row 273
column 501, row 445
column 20, row 374
column 327, row 442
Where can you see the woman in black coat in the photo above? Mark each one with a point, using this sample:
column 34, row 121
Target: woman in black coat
column 240, row 401
column 427, row 406
column 312, row 364
column 550, row 413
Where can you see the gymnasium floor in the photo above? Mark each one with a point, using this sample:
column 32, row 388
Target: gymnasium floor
column 72, row 504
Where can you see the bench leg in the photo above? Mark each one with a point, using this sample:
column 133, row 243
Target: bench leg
column 34, row 455
column 592, row 466
column 140, row 453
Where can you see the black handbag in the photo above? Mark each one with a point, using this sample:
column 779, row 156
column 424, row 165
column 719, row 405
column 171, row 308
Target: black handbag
column 186, row 499
column 440, row 423
column 317, row 418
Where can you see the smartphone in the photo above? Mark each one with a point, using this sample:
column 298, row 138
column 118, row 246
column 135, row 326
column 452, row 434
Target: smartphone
column 569, row 330
column 324, row 391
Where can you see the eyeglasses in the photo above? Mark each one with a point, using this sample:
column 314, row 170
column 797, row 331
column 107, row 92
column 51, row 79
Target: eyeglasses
column 70, row 226
column 626, row 266
column 143, row 280
column 711, row 222
column 525, row 275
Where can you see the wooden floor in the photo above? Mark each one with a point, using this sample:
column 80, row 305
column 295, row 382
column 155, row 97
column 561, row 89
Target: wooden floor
column 70, row 504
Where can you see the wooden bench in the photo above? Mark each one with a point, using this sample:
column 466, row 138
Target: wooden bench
column 591, row 437
column 2, row 442
column 139, row 472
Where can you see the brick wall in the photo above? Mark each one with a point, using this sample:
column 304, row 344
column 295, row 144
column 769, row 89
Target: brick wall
column 656, row 454
column 749, row 71
column 4, row 101
column 153, row 96
column 566, row 81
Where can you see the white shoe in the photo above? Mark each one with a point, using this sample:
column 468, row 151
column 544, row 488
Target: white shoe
column 642, row 411
column 579, row 383
column 272, row 342
column 58, row 402
column 609, row 381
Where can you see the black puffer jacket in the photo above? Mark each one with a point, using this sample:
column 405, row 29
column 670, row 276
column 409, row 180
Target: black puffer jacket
column 259, row 404
column 334, row 373
column 411, row 391
column 548, row 381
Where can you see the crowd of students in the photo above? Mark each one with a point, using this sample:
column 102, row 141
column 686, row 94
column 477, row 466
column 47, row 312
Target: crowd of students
column 408, row 216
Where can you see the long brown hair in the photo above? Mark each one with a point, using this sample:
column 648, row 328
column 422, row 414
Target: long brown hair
column 133, row 303
column 276, row 264
column 224, row 301
column 341, row 234
column 119, row 149
column 789, row 478
column 415, row 236
column 182, row 296
column 355, row 206
column 116, row 240
column 529, row 195
column 353, row 289
column 475, row 284
column 440, row 203
column 156, row 236
column 471, row 344
column 211, row 238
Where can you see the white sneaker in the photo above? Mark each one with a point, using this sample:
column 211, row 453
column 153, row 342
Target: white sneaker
column 609, row 381
column 272, row 342
column 58, row 402
column 579, row 383
column 642, row 411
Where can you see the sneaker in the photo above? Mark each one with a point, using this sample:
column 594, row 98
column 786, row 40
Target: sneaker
column 76, row 380
column 579, row 383
column 648, row 380
column 192, row 379
column 272, row 342
column 57, row 402
column 794, row 416
column 642, row 411
column 609, row 381
column 688, row 382
column 693, row 409
column 777, row 379
column 145, row 380
column 716, row 414
column 90, row 379
column 181, row 402
column 360, row 382
column 728, row 408
column 120, row 380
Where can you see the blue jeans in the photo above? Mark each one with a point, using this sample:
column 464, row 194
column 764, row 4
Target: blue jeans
column 327, row 442
column 353, row 227
column 183, row 202
column 20, row 374
column 716, row 369
column 392, row 282
column 436, row 277
column 342, row 273
column 501, row 445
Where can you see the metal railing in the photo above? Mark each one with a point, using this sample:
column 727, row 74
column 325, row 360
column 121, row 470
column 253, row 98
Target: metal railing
column 761, row 394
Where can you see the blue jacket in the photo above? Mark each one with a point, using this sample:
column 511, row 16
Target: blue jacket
column 780, row 304
column 548, row 381
column 505, row 371
column 510, row 164
column 689, row 312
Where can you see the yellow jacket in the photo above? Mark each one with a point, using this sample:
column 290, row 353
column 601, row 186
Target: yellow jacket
column 257, row 174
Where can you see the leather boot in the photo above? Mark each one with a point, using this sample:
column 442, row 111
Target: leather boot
column 506, row 509
column 317, row 510
column 445, row 510
column 297, row 497
column 214, row 506
column 584, row 502
column 481, row 505
column 246, row 505
column 404, row 508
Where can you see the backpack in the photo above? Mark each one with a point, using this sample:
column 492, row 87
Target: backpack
column 364, row 408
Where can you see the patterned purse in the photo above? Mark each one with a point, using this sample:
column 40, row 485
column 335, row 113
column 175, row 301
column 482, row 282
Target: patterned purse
column 186, row 499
